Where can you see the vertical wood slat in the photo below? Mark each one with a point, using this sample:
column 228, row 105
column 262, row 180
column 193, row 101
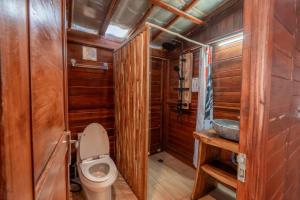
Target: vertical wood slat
column 131, row 75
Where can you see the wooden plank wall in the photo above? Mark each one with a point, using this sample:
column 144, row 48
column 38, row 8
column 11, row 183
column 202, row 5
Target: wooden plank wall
column 283, row 136
column 179, row 138
column 227, row 71
column 91, row 92
column 131, row 72
column 156, row 110
column 225, row 23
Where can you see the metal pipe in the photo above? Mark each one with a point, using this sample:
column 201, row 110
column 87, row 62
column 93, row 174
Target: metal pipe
column 176, row 34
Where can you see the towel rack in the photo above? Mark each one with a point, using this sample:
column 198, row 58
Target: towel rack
column 74, row 63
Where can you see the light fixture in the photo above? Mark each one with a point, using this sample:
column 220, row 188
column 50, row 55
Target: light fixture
column 116, row 31
column 231, row 40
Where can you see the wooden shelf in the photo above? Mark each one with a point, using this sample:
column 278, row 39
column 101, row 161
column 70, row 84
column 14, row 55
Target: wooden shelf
column 210, row 167
column 220, row 175
column 209, row 137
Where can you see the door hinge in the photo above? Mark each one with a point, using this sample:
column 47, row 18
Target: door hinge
column 241, row 172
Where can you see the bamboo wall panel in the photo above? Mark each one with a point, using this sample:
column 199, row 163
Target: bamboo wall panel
column 131, row 72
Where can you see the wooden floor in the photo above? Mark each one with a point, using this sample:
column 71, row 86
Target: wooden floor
column 170, row 179
column 167, row 180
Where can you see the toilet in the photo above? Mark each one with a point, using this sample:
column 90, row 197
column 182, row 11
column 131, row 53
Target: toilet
column 97, row 171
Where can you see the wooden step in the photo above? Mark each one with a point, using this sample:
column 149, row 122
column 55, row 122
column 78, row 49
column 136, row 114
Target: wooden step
column 216, row 141
column 220, row 175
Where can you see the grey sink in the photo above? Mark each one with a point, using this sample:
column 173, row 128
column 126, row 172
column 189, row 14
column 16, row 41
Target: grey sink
column 228, row 129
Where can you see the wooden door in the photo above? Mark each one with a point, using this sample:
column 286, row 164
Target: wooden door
column 49, row 140
column 15, row 133
column 131, row 76
column 156, row 106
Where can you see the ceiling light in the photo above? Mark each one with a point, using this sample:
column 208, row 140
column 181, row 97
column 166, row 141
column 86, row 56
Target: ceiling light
column 232, row 40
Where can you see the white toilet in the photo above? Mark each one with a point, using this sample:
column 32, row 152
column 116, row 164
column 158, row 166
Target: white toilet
column 97, row 171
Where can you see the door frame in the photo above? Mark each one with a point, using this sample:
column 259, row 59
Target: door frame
column 255, row 95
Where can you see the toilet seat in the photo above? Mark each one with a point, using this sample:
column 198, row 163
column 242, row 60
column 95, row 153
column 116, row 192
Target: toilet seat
column 93, row 142
column 86, row 167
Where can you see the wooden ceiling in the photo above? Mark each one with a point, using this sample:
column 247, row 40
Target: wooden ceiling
column 159, row 3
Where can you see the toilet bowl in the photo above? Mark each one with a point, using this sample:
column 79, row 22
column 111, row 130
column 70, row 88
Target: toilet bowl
column 97, row 171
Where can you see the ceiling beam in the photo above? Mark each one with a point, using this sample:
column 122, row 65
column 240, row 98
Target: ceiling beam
column 111, row 10
column 222, row 9
column 141, row 21
column 174, row 19
column 177, row 11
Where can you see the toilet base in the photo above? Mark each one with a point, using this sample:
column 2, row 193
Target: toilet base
column 102, row 195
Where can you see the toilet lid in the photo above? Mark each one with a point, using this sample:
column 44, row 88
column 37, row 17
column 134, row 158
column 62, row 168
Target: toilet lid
column 93, row 142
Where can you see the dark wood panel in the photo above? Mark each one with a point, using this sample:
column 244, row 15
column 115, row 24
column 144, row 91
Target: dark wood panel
column 283, row 163
column 227, row 62
column 15, row 134
column 225, row 23
column 91, row 91
column 227, row 70
column 178, row 128
column 286, row 14
column 156, row 105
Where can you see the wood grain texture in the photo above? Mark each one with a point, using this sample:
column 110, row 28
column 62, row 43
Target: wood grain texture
column 227, row 80
column 217, row 142
column 179, row 140
column 186, row 8
column 227, row 66
column 269, row 117
column 132, row 104
column 181, row 13
column 91, row 92
column 91, row 40
column 15, row 134
column 156, row 105
column 47, row 97
column 52, row 184
column 220, row 175
column 169, row 180
column 225, row 23
column 108, row 16
column 50, row 143
column 282, row 137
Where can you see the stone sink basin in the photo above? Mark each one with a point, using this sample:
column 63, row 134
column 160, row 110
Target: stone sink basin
column 228, row 129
